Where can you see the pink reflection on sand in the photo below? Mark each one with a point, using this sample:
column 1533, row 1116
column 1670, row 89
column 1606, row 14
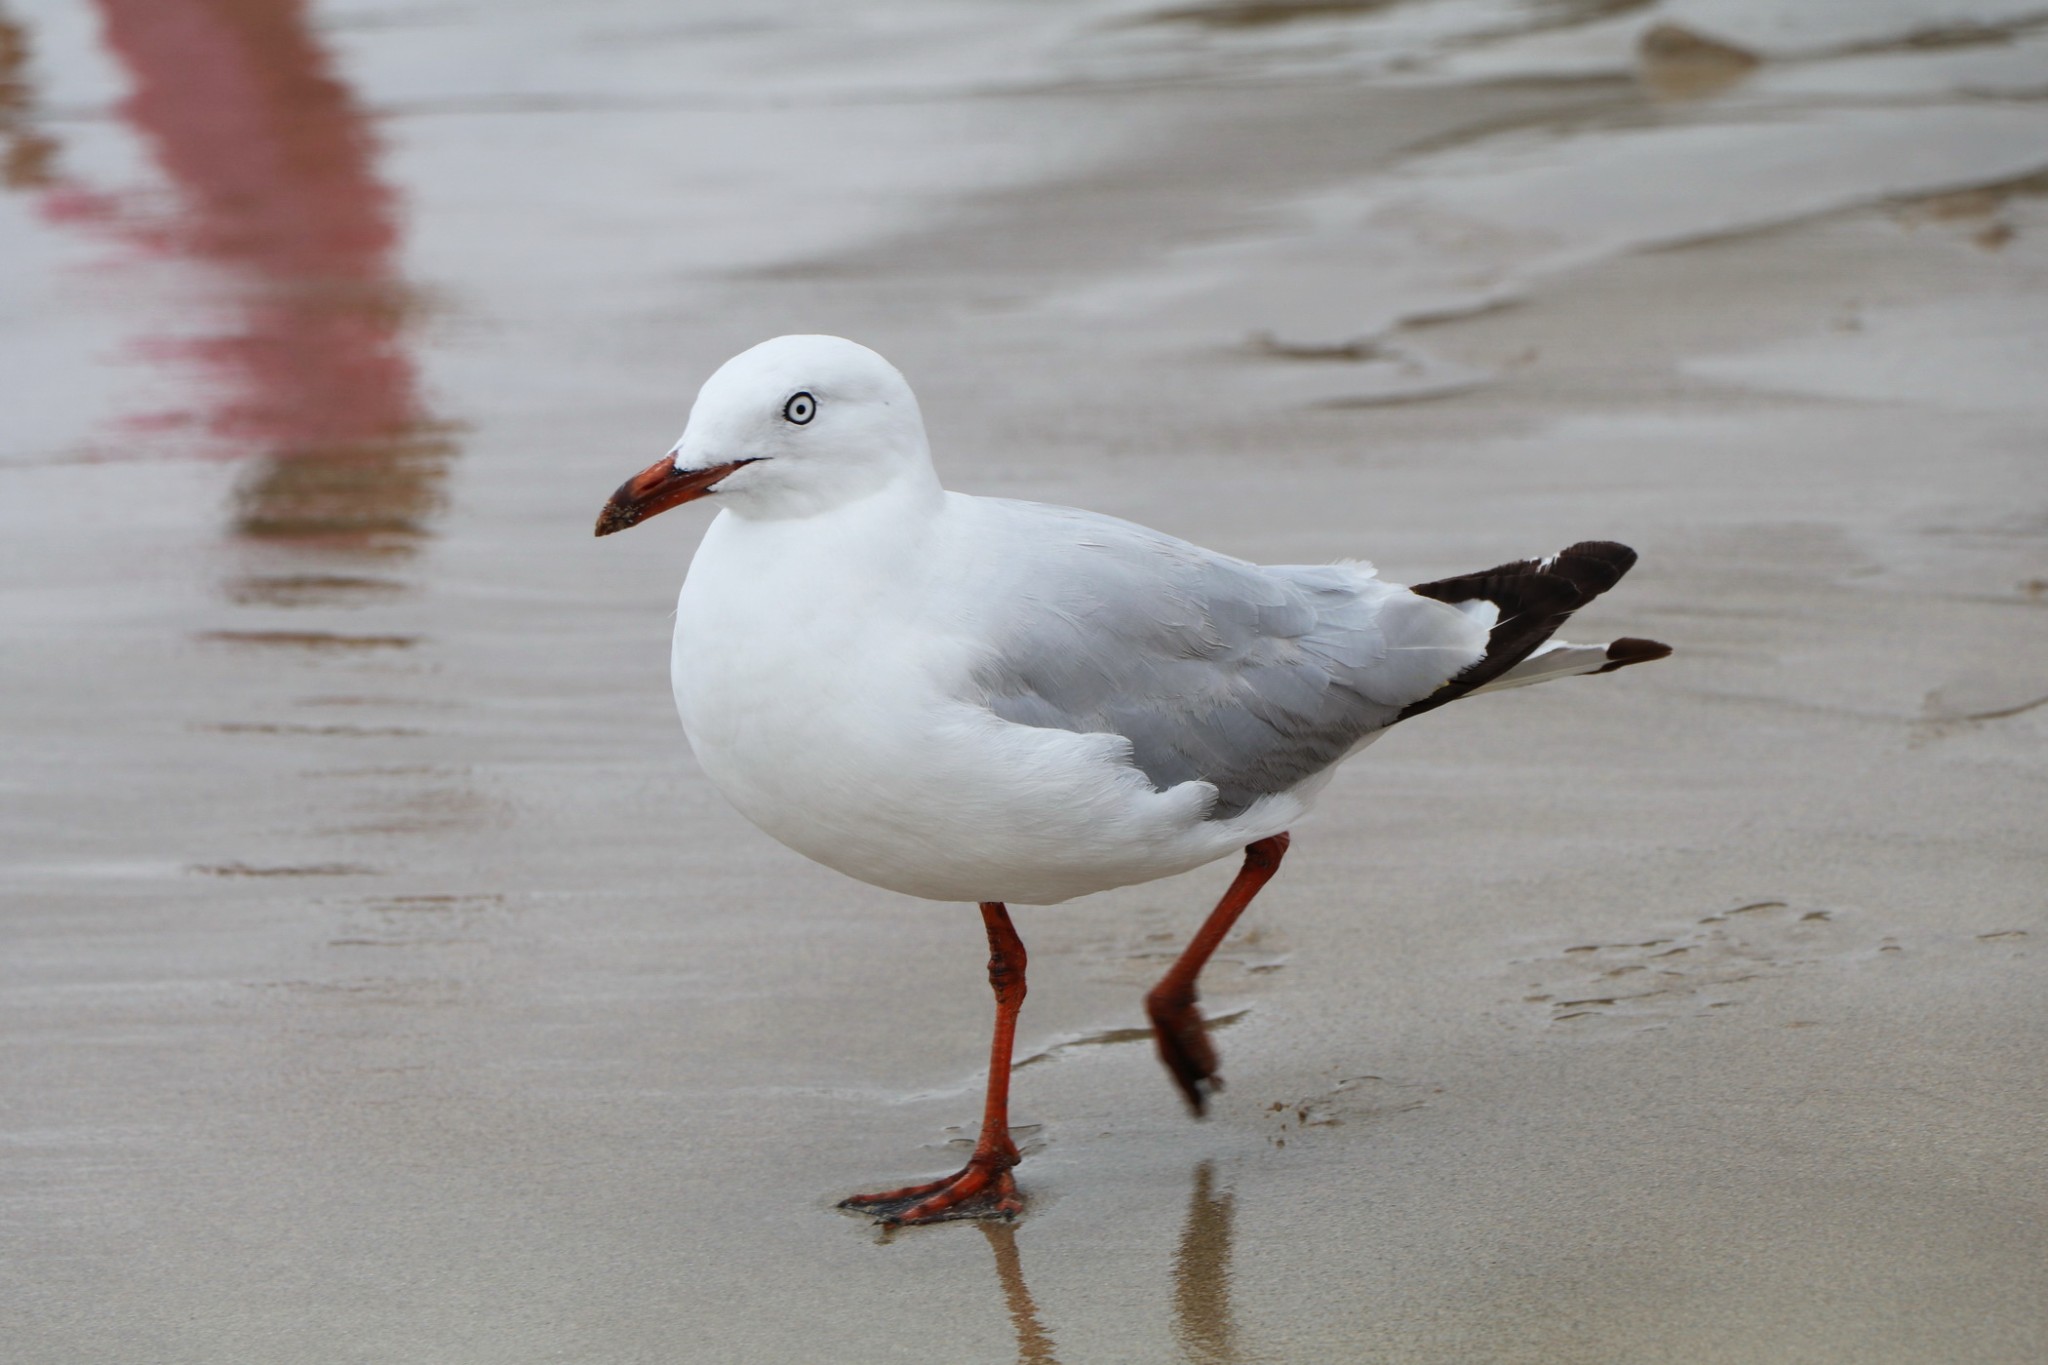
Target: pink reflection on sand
column 303, row 364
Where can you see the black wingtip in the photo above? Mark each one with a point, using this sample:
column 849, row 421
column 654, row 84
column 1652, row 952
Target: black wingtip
column 1629, row 650
column 1534, row 596
column 1593, row 566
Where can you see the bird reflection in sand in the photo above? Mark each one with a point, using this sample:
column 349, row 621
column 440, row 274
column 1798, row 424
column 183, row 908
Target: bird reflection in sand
column 273, row 165
column 1034, row 1343
column 1201, row 1275
column 1202, row 1321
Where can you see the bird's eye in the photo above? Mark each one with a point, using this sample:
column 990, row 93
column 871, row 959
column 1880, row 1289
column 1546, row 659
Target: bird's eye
column 800, row 409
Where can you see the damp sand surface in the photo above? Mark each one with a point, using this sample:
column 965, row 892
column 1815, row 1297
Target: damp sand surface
column 384, row 982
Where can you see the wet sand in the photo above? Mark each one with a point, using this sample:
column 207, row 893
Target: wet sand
column 383, row 981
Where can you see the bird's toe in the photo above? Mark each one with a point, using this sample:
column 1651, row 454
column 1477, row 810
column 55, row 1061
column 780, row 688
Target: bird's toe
column 1184, row 1048
column 977, row 1190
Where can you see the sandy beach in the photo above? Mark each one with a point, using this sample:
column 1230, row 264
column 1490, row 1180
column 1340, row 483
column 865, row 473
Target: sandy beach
column 380, row 979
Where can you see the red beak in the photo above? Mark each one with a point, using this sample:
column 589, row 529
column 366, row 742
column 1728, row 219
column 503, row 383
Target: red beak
column 657, row 488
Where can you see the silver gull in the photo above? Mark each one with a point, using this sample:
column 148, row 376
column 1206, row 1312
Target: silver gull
column 978, row 699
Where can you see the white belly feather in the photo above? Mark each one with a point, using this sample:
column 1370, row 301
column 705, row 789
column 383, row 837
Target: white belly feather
column 850, row 733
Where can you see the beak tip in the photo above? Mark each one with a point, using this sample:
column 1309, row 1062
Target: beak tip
column 619, row 514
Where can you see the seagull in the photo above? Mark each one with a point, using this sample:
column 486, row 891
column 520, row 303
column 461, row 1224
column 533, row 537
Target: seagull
column 985, row 700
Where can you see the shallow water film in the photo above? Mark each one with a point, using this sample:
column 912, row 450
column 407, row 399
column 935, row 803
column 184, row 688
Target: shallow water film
column 383, row 980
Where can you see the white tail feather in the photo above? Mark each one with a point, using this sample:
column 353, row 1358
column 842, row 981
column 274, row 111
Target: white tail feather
column 1554, row 660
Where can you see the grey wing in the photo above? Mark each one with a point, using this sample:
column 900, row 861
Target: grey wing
column 1216, row 670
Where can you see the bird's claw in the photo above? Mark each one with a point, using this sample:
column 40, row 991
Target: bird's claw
column 1184, row 1047
column 980, row 1189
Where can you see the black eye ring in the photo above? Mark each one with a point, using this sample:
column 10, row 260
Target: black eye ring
column 800, row 408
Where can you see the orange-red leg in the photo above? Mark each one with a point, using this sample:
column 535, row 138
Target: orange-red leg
column 1184, row 1046
column 984, row 1187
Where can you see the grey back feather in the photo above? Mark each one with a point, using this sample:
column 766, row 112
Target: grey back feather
column 1251, row 678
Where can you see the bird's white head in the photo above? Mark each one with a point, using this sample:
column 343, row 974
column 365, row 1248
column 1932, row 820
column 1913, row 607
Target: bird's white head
column 791, row 428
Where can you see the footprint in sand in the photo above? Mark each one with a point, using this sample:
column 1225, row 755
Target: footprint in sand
column 1690, row 970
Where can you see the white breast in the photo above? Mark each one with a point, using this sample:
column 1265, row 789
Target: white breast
column 841, row 721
